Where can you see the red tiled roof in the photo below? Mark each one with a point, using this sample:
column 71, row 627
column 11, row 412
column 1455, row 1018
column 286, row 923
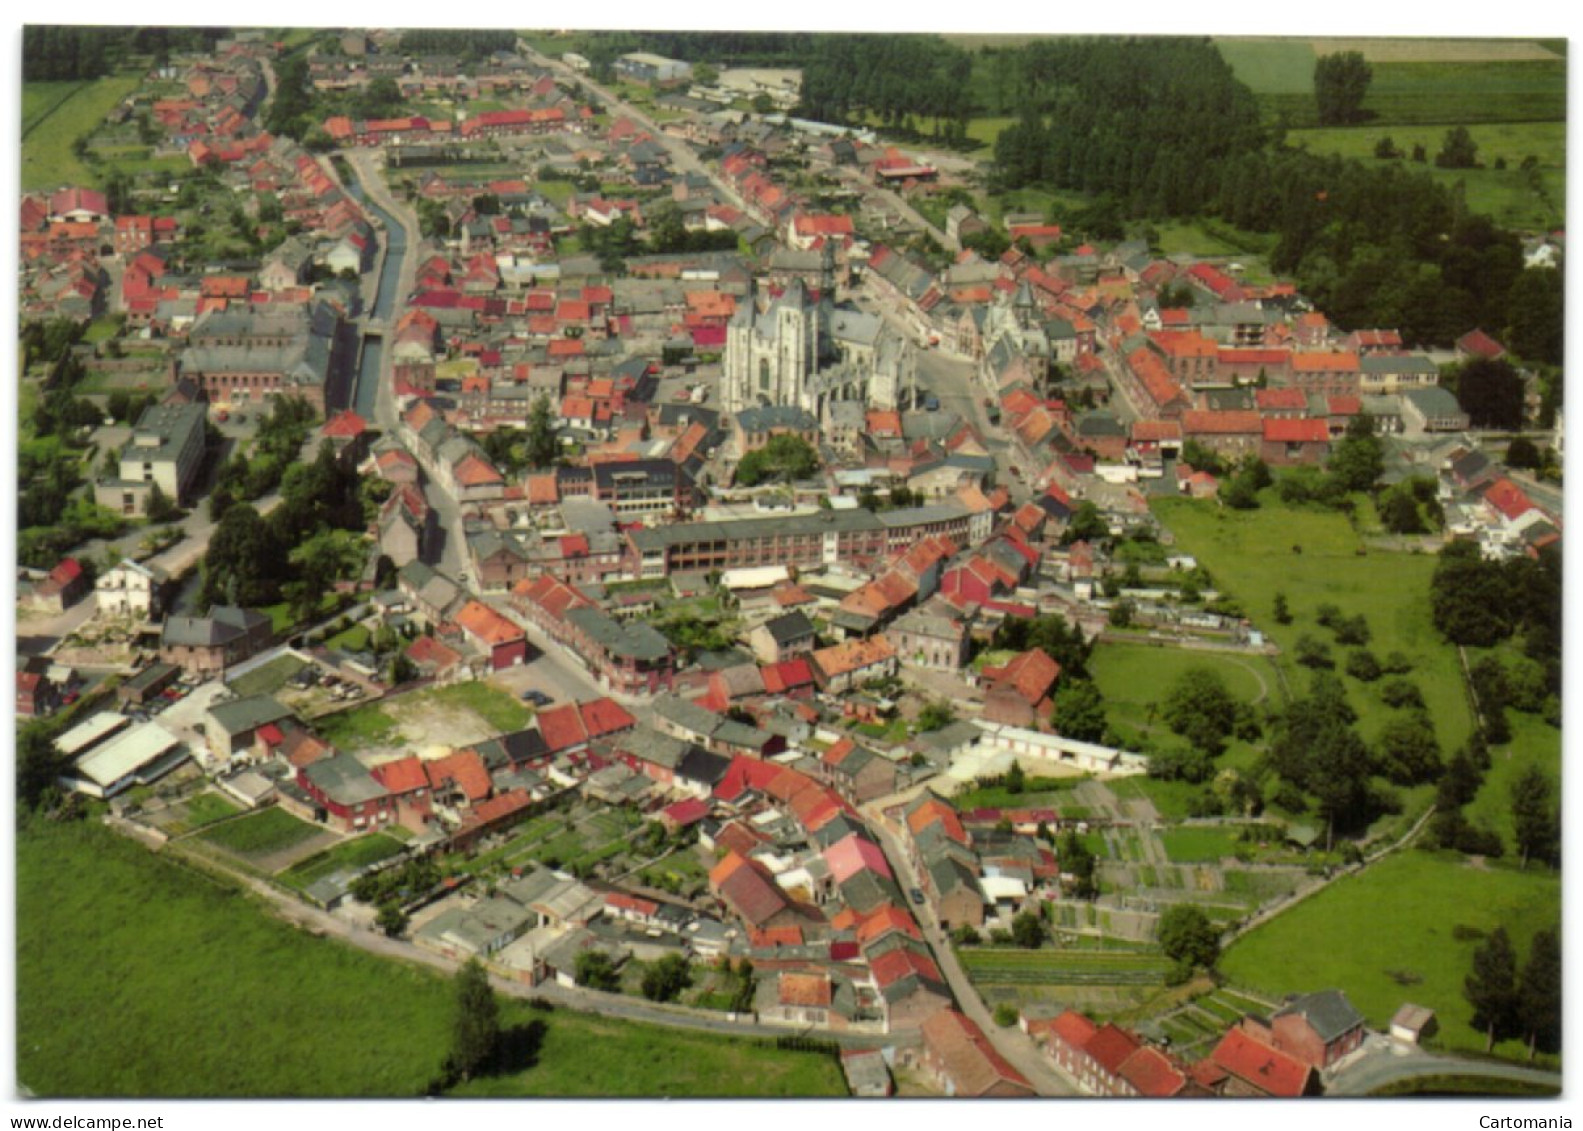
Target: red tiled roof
column 1110, row 1046
column 465, row 768
column 1268, row 399
column 969, row 1059
column 605, row 716
column 479, row 620
column 1297, row 431
column 1508, row 498
column 1199, row 422
column 1270, row 1071
column 1154, row 1076
column 562, row 727
column 805, row 989
column 403, row 775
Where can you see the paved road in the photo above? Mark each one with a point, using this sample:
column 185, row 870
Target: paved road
column 329, row 925
column 1388, row 1063
column 1012, row 1043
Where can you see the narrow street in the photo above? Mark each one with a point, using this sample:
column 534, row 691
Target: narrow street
column 1012, row 1043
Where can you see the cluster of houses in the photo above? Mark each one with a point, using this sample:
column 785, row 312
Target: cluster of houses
column 1283, row 1055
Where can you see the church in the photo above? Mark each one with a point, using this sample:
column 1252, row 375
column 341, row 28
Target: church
column 807, row 353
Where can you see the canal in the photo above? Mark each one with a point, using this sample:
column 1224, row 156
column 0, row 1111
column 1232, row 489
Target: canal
column 373, row 350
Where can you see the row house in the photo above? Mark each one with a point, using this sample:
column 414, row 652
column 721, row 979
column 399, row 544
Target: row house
column 1155, row 392
column 1288, row 441
column 1332, row 374
column 1229, row 434
column 631, row 658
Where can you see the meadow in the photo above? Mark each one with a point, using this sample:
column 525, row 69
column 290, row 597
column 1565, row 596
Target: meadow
column 212, row 997
column 56, row 114
column 1315, row 557
column 1386, row 937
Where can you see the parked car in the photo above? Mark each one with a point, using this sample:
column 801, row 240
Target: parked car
column 916, row 894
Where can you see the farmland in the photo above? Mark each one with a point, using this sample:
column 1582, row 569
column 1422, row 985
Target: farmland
column 1390, row 935
column 56, row 114
column 104, row 926
column 260, row 834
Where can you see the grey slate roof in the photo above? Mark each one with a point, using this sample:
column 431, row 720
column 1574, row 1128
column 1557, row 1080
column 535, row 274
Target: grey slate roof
column 1328, row 1011
column 344, row 780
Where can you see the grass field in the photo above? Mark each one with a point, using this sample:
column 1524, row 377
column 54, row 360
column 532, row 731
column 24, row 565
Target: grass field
column 368, row 725
column 268, row 678
column 54, row 117
column 1004, row 966
column 1199, row 845
column 496, row 707
column 1134, row 677
column 349, row 854
column 214, row 998
column 1507, row 194
column 1385, row 937
column 260, row 834
column 1451, row 82
column 1251, row 556
column 1534, row 742
column 199, row 810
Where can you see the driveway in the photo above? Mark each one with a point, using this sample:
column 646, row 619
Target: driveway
column 1386, row 1062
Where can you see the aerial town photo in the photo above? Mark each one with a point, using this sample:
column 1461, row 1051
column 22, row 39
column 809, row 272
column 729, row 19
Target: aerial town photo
column 787, row 564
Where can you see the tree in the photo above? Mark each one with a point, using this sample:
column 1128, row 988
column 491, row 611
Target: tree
column 667, row 978
column 1077, row 861
column 1385, row 149
column 543, row 444
column 1491, row 989
column 1199, row 708
column 1539, row 994
column 1016, row 779
column 476, row 1034
column 161, row 507
column 1312, row 652
column 1340, row 83
column 1027, row 930
column 1358, row 461
column 784, row 458
column 1535, row 823
column 391, row 919
column 1408, row 752
column 936, row 715
column 1399, row 512
column 1079, row 711
column 1523, row 453
column 1188, row 937
column 1362, row 665
column 1121, row 614
column 595, row 970
column 1491, row 393
column 1086, row 525
column 1283, row 613
column 1458, row 150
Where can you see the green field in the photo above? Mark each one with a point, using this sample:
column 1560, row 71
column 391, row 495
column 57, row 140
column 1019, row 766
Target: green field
column 1534, row 742
column 1134, row 677
column 1199, row 845
column 348, row 855
column 1509, row 195
column 260, row 834
column 267, row 678
column 1006, row 966
column 500, row 709
column 53, row 117
column 1252, row 555
column 212, row 997
column 368, row 725
column 1385, row 937
column 199, row 810
column 1414, row 82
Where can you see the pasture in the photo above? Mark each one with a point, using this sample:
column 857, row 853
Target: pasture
column 1315, row 557
column 56, row 114
column 1388, row 936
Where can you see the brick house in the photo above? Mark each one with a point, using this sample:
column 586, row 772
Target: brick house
column 964, row 1062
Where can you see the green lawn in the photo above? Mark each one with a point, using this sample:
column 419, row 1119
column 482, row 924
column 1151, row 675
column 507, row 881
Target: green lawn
column 1135, row 677
column 585, row 1055
column 349, row 854
column 368, row 725
column 204, row 809
column 1042, row 793
column 269, row 678
column 1385, row 937
column 243, row 1005
column 260, row 834
column 1252, row 555
column 1199, row 845
column 354, row 639
column 1534, row 742
column 56, row 117
column 499, row 708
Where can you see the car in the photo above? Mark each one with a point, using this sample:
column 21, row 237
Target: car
column 916, row 894
column 536, row 697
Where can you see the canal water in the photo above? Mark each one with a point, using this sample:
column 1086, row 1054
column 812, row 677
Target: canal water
column 395, row 237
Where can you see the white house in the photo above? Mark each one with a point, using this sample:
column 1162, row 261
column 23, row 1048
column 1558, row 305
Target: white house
column 130, row 589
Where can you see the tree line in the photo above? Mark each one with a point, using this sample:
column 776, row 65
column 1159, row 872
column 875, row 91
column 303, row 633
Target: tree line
column 902, row 80
column 1158, row 129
